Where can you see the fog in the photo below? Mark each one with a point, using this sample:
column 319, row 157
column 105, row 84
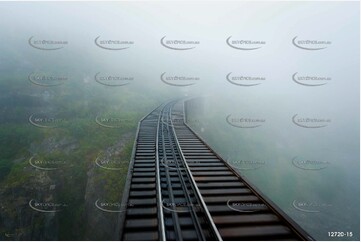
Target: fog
column 276, row 98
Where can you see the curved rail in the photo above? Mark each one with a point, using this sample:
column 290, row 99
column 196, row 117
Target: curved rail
column 198, row 179
column 209, row 217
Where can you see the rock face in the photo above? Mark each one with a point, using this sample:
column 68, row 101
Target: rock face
column 18, row 220
column 101, row 224
column 25, row 201
column 29, row 209
column 51, row 145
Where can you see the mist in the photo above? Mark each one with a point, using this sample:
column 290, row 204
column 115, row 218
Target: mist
column 270, row 93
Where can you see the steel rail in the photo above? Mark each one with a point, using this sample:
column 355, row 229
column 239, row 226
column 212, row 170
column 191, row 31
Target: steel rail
column 125, row 195
column 297, row 229
column 159, row 189
column 193, row 213
column 204, row 206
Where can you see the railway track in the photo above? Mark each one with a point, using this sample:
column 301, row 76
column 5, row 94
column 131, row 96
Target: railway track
column 178, row 188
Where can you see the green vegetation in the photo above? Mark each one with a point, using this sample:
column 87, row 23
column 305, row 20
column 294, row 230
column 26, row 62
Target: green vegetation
column 71, row 149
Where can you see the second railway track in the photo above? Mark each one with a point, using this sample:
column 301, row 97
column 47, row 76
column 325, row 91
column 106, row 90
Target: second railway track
column 178, row 188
